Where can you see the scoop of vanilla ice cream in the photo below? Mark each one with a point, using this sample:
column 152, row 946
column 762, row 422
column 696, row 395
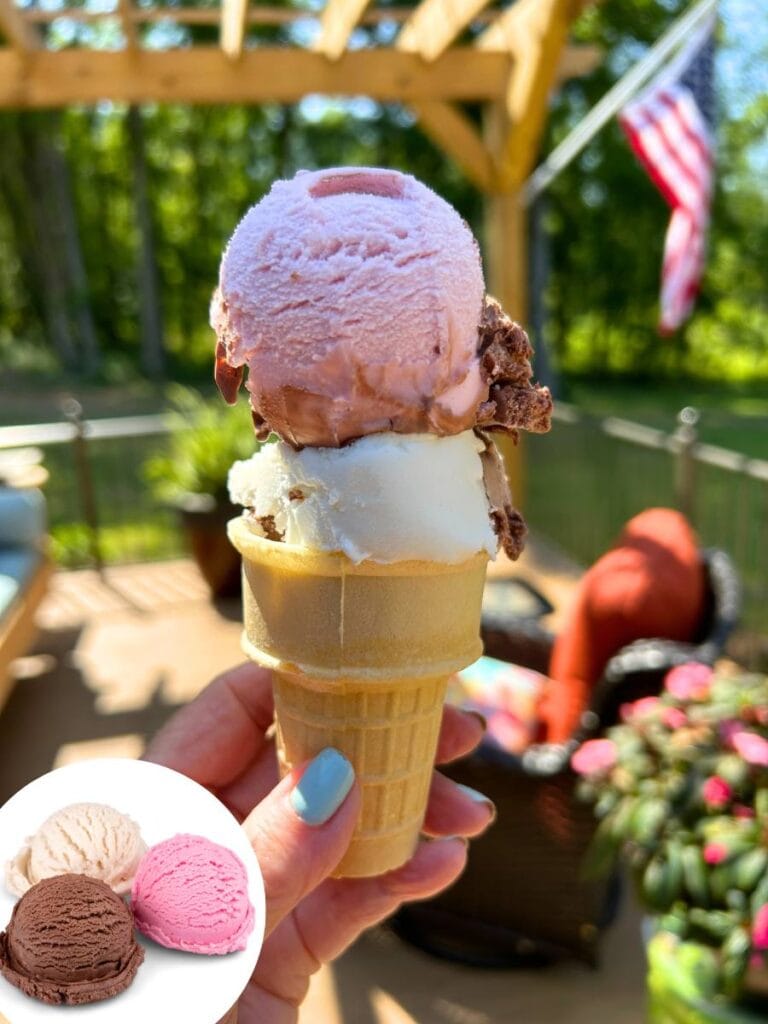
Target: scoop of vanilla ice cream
column 82, row 839
column 386, row 497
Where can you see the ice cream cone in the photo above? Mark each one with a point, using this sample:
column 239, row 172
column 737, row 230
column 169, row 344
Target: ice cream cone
column 361, row 654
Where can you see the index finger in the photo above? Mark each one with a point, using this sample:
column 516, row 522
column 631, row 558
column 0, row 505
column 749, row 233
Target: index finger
column 216, row 737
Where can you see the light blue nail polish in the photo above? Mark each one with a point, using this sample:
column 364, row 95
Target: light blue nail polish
column 323, row 787
column 475, row 795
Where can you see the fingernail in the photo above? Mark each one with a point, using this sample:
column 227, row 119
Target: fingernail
column 323, row 787
column 477, row 797
column 476, row 714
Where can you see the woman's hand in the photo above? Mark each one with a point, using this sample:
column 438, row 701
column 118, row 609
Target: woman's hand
column 301, row 826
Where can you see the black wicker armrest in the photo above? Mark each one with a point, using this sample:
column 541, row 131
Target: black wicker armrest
column 524, row 643
column 726, row 593
column 655, row 655
column 541, row 760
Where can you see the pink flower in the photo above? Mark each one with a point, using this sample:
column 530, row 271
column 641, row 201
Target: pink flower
column 690, row 681
column 753, row 748
column 742, row 811
column 643, row 707
column 594, row 757
column 715, row 853
column 674, row 718
column 716, row 792
column 729, row 728
column 760, row 928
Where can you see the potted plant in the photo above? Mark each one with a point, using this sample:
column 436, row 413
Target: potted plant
column 206, row 437
column 681, row 789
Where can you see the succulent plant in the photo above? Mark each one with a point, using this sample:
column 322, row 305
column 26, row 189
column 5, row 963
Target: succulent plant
column 681, row 789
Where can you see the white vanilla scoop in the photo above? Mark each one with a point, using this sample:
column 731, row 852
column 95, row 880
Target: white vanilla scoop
column 386, row 497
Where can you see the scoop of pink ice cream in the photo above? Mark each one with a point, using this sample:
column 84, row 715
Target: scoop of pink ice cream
column 353, row 297
column 192, row 894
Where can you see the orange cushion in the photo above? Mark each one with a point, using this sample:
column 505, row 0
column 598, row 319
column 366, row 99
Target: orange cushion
column 651, row 584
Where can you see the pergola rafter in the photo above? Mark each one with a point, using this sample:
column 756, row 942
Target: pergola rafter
column 125, row 10
column 233, row 26
column 19, row 32
column 435, row 24
column 337, row 24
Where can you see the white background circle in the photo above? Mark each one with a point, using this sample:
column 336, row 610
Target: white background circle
column 170, row 985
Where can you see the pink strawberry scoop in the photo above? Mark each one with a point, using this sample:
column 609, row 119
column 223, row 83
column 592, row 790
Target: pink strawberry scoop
column 353, row 297
column 191, row 894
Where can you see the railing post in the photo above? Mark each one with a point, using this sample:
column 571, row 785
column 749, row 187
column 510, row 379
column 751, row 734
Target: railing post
column 74, row 413
column 686, row 437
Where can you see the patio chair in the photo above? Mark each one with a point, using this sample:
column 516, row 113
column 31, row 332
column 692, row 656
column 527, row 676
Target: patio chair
column 523, row 896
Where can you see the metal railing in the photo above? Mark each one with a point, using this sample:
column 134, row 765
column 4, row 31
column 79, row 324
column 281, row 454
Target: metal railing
column 585, row 480
column 100, row 507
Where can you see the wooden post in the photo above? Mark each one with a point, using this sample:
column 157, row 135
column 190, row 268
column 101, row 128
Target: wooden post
column 507, row 273
column 506, row 254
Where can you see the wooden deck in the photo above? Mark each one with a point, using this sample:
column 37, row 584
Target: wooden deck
column 117, row 655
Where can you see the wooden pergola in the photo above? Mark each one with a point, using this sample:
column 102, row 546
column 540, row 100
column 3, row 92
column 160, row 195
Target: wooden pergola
column 443, row 54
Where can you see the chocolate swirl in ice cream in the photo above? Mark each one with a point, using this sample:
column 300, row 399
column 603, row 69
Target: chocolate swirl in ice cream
column 513, row 403
column 508, row 525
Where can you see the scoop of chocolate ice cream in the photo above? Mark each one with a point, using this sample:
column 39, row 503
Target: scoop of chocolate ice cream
column 70, row 940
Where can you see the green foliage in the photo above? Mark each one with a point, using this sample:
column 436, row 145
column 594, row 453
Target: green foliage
column 207, row 436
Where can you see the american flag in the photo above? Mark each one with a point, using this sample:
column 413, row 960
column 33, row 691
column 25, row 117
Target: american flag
column 671, row 129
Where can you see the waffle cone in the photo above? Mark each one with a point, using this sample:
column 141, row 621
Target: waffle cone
column 361, row 654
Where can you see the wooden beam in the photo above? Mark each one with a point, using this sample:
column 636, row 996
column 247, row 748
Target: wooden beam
column 233, row 16
column 535, row 32
column 16, row 29
column 450, row 128
column 336, row 26
column 278, row 74
column 509, row 30
column 125, row 10
column 263, row 14
column 435, row 24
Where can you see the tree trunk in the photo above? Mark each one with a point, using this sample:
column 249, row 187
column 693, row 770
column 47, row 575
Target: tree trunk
column 152, row 350
column 30, row 210
column 54, row 170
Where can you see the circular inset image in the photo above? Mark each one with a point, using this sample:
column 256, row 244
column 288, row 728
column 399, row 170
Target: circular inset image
column 128, row 892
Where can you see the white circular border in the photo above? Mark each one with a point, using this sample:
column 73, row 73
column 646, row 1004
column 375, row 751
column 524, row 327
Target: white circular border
column 170, row 985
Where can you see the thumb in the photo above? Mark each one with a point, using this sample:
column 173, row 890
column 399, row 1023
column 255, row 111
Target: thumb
column 302, row 829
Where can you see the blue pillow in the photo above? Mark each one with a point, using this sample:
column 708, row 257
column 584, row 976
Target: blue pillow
column 22, row 517
column 16, row 569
